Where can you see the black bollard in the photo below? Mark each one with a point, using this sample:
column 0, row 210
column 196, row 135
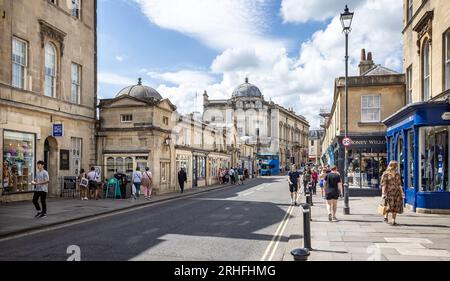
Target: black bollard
column 307, row 226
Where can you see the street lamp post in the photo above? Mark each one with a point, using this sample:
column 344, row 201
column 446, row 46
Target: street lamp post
column 346, row 20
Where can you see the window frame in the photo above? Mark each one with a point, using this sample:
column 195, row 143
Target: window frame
column 409, row 10
column 77, row 84
column 75, row 10
column 409, row 85
column 446, row 60
column 122, row 119
column 54, row 77
column 426, row 79
column 366, row 109
column 23, row 66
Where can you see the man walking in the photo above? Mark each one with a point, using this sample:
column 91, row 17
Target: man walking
column 240, row 171
column 93, row 178
column 333, row 190
column 182, row 178
column 293, row 177
column 137, row 179
column 306, row 179
column 40, row 190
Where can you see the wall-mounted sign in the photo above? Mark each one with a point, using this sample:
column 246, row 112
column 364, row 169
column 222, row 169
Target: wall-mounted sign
column 446, row 116
column 58, row 130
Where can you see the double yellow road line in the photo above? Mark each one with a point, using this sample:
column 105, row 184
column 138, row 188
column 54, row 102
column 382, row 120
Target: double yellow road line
column 272, row 248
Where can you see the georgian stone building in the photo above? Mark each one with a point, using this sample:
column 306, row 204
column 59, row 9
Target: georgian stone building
column 374, row 95
column 271, row 128
column 47, row 91
column 418, row 135
column 139, row 128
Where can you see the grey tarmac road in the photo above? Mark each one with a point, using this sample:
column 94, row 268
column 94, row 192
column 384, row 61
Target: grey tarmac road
column 233, row 224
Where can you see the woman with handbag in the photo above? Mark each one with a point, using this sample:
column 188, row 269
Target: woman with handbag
column 393, row 194
column 147, row 183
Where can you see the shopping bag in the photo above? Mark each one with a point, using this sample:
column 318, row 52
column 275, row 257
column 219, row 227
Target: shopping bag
column 133, row 190
column 382, row 207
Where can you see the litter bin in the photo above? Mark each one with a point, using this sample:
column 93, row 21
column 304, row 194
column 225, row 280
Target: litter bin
column 124, row 185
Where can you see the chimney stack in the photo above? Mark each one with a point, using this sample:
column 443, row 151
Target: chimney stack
column 366, row 64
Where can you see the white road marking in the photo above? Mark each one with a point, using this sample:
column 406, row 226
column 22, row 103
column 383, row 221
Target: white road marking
column 408, row 240
column 400, row 245
column 281, row 234
column 424, row 253
column 277, row 234
column 246, row 194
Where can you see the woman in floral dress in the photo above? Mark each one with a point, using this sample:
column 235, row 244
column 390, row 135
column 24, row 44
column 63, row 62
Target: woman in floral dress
column 393, row 194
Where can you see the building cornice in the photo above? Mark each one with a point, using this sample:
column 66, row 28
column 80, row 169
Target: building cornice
column 424, row 2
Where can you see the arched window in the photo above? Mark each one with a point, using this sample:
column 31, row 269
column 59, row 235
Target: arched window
column 426, row 72
column 50, row 70
column 119, row 165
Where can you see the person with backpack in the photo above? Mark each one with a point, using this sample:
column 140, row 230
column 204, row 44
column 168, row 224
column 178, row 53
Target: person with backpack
column 137, row 180
column 147, row 181
column 93, row 178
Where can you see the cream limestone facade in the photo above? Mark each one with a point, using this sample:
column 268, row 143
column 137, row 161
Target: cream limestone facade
column 373, row 96
column 426, row 23
column 48, row 77
column 139, row 128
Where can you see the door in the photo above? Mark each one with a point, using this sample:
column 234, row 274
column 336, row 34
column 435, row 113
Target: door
column 51, row 165
column 194, row 171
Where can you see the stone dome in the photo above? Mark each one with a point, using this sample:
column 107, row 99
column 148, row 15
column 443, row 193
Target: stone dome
column 140, row 91
column 247, row 90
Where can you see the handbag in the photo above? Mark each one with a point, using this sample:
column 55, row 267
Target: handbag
column 84, row 182
column 382, row 207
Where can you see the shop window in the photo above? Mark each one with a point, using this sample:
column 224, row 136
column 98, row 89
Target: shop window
column 426, row 73
column 411, row 159
column 119, row 165
column 18, row 161
column 434, row 158
column 183, row 161
column 129, row 166
column 447, row 60
column 110, row 168
column 400, row 157
column 19, row 63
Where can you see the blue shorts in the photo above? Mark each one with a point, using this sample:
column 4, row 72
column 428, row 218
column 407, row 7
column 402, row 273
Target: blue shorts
column 321, row 183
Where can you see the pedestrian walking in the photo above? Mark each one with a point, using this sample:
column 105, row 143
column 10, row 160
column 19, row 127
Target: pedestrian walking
column 240, row 171
column 137, row 180
column 332, row 192
column 306, row 179
column 182, row 179
column 393, row 193
column 84, row 184
column 93, row 178
column 323, row 175
column 231, row 174
column 293, row 177
column 315, row 178
column 40, row 184
column 147, row 183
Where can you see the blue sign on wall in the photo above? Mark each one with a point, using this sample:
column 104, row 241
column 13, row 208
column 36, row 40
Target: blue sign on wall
column 58, row 130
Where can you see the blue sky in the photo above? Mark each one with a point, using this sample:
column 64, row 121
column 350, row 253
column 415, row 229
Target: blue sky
column 291, row 49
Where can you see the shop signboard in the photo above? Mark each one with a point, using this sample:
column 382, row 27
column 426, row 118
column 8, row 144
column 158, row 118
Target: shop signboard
column 58, row 130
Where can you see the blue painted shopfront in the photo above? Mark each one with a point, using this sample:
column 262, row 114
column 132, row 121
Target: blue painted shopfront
column 418, row 138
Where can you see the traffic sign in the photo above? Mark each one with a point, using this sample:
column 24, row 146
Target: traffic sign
column 347, row 142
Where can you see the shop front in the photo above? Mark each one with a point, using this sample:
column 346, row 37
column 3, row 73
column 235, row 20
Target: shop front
column 18, row 163
column 367, row 158
column 418, row 138
column 199, row 169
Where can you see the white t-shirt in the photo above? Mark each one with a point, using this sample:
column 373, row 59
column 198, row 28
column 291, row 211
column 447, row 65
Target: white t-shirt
column 231, row 172
column 92, row 176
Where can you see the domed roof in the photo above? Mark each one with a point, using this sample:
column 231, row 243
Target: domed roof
column 247, row 90
column 140, row 91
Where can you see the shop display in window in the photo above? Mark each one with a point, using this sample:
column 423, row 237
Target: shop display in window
column 18, row 161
